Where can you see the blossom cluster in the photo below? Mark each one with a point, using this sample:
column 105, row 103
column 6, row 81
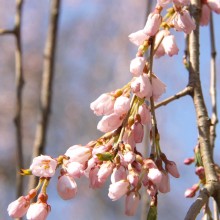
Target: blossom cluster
column 124, row 112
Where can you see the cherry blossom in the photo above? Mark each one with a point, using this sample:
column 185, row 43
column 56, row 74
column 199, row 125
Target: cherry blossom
column 43, row 166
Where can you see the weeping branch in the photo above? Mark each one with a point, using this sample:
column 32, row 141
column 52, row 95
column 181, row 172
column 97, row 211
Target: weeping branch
column 47, row 82
column 212, row 187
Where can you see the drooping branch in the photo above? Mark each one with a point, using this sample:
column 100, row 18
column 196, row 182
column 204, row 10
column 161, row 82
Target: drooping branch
column 47, row 82
column 203, row 123
column 19, row 85
column 7, row 31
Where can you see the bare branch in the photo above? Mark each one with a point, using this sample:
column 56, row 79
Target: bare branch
column 5, row 31
column 203, row 123
column 188, row 90
column 19, row 86
column 214, row 117
column 47, row 81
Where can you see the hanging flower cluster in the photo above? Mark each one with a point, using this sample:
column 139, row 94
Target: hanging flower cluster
column 124, row 112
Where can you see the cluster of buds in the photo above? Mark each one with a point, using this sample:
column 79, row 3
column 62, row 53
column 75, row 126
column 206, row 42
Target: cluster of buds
column 124, row 113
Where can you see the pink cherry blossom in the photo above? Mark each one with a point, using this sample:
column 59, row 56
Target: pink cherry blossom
column 141, row 86
column 153, row 23
column 181, row 3
column 158, row 40
column 133, row 179
column 169, row 45
column 103, row 105
column 43, row 166
column 144, row 112
column 138, row 129
column 138, row 37
column 163, row 3
column 78, row 153
column 66, row 187
column 158, row 88
column 214, row 5
column 93, row 177
column 91, row 164
column 129, row 157
column 155, row 176
column 75, row 169
column 100, row 149
column 131, row 203
column 110, row 122
column 105, row 171
column 19, row 207
column 172, row 169
column 118, row 174
column 38, row 211
column 137, row 65
column 118, row 189
column 122, row 105
column 164, row 186
column 205, row 15
column 184, row 22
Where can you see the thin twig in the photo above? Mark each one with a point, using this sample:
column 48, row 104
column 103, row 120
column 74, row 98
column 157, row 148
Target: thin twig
column 6, row 31
column 213, row 94
column 19, row 86
column 186, row 91
column 47, row 81
column 212, row 185
column 214, row 117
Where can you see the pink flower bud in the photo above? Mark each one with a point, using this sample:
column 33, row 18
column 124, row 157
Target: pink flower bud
column 137, row 65
column 118, row 189
column 138, row 129
column 104, row 171
column 91, row 164
column 129, row 157
column 144, row 112
column 190, row 193
column 169, row 45
column 131, row 203
column 200, row 172
column 189, row 160
column 184, row 22
column 19, row 207
column 118, row 174
column 103, row 105
column 38, row 211
column 205, row 15
column 133, row 179
column 172, row 169
column 43, row 166
column 164, row 186
column 66, row 187
column 78, row 153
column 93, row 177
column 110, row 122
column 141, row 86
column 152, row 190
column 75, row 169
column 158, row 88
column 214, row 5
column 138, row 37
column 155, row 176
column 122, row 105
column 153, row 23
column 100, row 149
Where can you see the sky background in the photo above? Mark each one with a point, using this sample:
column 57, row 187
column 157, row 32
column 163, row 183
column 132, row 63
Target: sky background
column 93, row 57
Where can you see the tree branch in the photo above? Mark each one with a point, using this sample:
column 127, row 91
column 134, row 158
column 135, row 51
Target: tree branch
column 186, row 91
column 47, row 81
column 203, row 123
column 6, row 31
column 19, row 86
